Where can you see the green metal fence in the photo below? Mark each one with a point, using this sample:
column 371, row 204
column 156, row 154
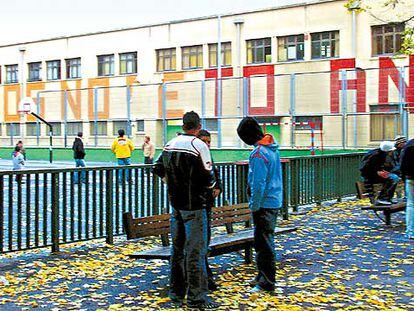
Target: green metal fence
column 51, row 208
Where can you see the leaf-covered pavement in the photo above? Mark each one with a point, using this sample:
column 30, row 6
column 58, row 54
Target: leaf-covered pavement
column 341, row 259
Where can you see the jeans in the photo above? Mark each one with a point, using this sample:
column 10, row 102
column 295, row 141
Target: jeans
column 388, row 186
column 124, row 161
column 188, row 273
column 79, row 163
column 409, row 213
column 209, row 271
column 148, row 160
column 264, row 227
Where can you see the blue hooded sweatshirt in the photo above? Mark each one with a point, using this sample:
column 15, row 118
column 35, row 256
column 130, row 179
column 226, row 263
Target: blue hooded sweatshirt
column 265, row 175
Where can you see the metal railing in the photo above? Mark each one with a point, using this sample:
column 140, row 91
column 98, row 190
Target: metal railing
column 52, row 208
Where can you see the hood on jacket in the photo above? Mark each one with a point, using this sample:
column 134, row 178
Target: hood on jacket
column 250, row 131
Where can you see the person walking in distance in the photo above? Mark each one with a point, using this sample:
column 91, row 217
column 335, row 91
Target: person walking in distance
column 122, row 147
column 211, row 194
column 266, row 196
column 149, row 150
column 18, row 163
column 407, row 171
column 22, row 150
column 79, row 156
column 185, row 164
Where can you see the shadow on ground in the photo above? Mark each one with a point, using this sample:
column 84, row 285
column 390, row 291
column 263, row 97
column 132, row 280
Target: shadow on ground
column 341, row 258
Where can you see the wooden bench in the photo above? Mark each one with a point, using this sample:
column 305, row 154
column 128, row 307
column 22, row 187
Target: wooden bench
column 227, row 216
column 387, row 210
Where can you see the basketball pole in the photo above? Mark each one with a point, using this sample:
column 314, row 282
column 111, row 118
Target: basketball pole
column 50, row 134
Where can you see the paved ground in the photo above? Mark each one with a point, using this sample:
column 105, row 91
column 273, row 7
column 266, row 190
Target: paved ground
column 341, row 259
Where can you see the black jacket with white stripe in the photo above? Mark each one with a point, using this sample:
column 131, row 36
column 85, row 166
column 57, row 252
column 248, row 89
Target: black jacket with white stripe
column 185, row 165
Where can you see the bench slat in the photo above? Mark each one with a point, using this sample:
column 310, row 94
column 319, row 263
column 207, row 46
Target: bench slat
column 241, row 238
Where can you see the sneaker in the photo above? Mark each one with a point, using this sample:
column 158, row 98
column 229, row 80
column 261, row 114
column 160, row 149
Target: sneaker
column 383, row 202
column 253, row 282
column 208, row 305
column 176, row 300
column 212, row 286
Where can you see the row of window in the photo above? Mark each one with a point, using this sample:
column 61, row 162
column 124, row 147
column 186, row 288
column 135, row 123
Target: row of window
column 106, row 64
column 386, row 39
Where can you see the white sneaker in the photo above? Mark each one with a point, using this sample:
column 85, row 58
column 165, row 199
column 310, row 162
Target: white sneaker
column 383, row 202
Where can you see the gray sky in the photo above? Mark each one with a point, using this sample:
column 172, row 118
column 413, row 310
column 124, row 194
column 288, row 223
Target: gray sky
column 23, row 20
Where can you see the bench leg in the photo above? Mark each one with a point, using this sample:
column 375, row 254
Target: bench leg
column 387, row 216
column 248, row 255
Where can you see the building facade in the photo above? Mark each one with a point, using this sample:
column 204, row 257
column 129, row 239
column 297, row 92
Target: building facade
column 316, row 68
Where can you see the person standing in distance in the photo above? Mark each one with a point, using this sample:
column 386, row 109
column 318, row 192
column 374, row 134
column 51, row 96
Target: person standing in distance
column 185, row 164
column 266, row 197
column 122, row 147
column 149, row 150
column 79, row 156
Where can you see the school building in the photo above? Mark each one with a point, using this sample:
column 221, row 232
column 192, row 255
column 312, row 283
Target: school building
column 313, row 68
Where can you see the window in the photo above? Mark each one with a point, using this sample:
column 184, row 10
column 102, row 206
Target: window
column 57, row 128
column 225, row 54
column 13, row 129
column 101, row 129
column 12, row 72
column 73, row 128
column 166, row 60
column 73, row 68
column 140, row 126
column 106, row 65
column 304, row 123
column 291, row 48
column 259, row 51
column 53, row 70
column 35, row 73
column 119, row 125
column 128, row 63
column 387, row 39
column 211, row 125
column 31, row 129
column 387, row 125
column 325, row 44
column 192, row 57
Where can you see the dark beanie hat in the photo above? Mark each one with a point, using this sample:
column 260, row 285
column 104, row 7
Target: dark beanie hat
column 250, row 131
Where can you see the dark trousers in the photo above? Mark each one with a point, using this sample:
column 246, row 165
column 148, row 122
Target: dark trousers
column 209, row 271
column 264, row 227
column 388, row 186
column 188, row 275
column 148, row 160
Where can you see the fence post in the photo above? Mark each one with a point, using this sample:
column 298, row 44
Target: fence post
column 109, row 225
column 95, row 119
column 292, row 109
column 164, row 112
column 203, row 104
column 128, row 110
column 344, row 88
column 401, row 101
column 55, row 212
column 37, row 121
column 65, row 117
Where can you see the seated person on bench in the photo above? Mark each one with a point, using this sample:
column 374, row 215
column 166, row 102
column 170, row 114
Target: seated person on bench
column 376, row 170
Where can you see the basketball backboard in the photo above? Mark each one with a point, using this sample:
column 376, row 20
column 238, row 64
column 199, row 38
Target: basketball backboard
column 26, row 106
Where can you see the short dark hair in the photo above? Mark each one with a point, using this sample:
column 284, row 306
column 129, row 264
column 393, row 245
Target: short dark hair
column 121, row 132
column 80, row 134
column 17, row 148
column 203, row 133
column 191, row 121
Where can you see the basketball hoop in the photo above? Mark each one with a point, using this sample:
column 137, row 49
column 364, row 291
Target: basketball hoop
column 26, row 106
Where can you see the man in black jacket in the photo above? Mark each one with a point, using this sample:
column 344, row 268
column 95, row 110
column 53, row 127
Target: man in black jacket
column 407, row 171
column 185, row 165
column 211, row 194
column 79, row 156
column 374, row 170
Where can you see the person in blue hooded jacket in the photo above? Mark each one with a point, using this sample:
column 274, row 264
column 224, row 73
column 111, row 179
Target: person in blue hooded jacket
column 266, row 196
